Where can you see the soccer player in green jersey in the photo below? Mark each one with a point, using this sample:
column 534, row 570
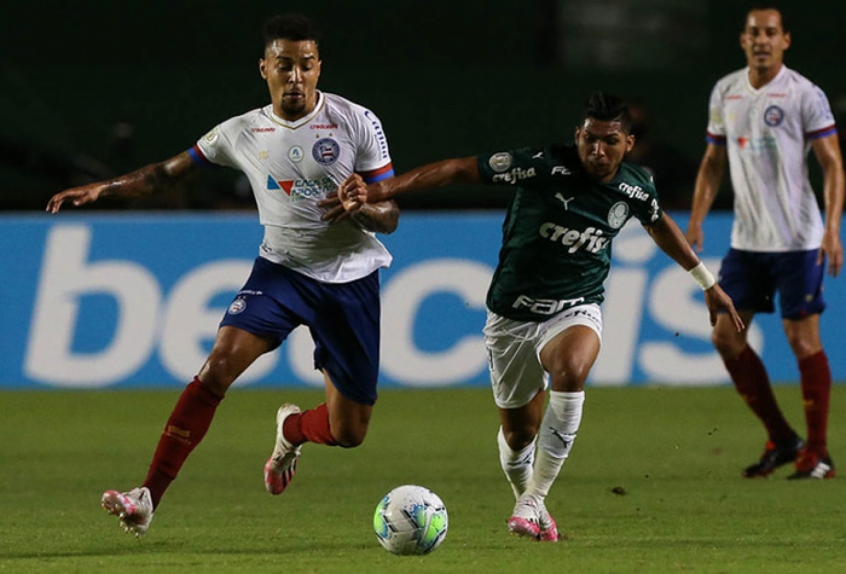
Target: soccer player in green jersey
column 544, row 324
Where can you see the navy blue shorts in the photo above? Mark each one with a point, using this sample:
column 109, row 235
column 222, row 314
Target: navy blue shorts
column 343, row 319
column 752, row 279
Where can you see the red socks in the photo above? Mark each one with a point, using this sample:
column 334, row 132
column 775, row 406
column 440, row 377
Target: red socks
column 186, row 427
column 191, row 418
column 309, row 426
column 815, row 378
column 751, row 381
column 750, row 378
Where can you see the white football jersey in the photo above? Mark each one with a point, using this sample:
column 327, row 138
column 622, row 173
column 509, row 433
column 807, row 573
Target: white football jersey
column 292, row 165
column 767, row 133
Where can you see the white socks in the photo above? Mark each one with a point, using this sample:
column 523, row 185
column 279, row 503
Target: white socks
column 517, row 465
column 557, row 433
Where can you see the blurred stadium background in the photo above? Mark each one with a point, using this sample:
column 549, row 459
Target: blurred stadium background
column 90, row 89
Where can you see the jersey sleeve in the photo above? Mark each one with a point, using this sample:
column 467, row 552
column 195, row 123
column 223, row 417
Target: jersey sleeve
column 373, row 159
column 817, row 119
column 716, row 131
column 643, row 197
column 649, row 211
column 216, row 147
column 512, row 167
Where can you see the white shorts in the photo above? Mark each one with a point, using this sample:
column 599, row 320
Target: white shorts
column 514, row 349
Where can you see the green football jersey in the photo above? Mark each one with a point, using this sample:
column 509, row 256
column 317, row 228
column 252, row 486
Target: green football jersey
column 556, row 238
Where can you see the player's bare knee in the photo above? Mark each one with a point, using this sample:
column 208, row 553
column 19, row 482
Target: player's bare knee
column 570, row 379
column 349, row 441
column 349, row 437
column 518, row 439
column 803, row 347
column 727, row 345
column 214, row 376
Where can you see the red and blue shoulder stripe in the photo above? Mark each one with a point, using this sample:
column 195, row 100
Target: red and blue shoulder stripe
column 817, row 134
column 715, row 139
column 198, row 156
column 378, row 174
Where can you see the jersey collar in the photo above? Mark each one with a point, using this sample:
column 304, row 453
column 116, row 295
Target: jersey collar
column 303, row 120
column 781, row 73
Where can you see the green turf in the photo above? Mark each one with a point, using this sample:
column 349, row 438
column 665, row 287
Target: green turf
column 673, row 456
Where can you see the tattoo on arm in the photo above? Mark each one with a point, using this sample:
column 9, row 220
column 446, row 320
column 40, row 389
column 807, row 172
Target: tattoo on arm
column 382, row 217
column 150, row 179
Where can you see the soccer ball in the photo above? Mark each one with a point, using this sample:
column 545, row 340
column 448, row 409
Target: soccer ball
column 410, row 520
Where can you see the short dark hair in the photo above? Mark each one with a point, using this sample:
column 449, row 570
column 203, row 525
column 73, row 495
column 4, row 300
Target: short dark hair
column 608, row 108
column 767, row 6
column 294, row 27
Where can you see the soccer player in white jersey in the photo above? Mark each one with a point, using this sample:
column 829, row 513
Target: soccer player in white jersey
column 763, row 121
column 294, row 151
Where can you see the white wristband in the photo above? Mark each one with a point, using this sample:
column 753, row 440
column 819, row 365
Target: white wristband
column 702, row 276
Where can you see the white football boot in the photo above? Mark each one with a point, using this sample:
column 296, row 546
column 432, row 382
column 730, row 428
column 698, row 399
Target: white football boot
column 133, row 508
column 282, row 464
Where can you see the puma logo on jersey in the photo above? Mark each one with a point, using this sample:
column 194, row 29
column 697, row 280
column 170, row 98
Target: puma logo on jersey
column 564, row 200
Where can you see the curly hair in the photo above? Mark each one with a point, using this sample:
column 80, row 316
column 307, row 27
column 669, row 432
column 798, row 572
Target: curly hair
column 294, row 27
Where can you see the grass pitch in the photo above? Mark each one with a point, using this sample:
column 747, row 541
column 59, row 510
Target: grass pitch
column 653, row 485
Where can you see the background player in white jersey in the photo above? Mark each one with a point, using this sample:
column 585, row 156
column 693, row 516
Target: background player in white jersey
column 294, row 151
column 763, row 119
column 544, row 322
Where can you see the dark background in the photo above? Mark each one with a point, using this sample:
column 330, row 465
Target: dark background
column 92, row 89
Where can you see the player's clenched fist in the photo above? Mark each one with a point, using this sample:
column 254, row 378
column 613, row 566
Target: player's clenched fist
column 353, row 192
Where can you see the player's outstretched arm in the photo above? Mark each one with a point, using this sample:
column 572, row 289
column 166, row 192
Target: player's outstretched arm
column 667, row 235
column 353, row 191
column 354, row 195
column 145, row 181
column 708, row 180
